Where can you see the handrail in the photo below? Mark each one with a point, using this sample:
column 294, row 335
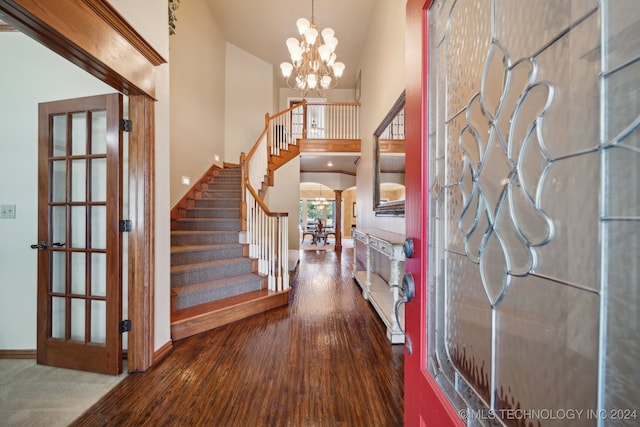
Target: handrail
column 262, row 205
column 267, row 232
column 285, row 128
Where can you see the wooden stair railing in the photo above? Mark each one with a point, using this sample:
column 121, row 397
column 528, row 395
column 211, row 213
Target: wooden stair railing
column 267, row 233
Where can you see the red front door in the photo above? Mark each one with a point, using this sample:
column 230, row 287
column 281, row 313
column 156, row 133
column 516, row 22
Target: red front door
column 425, row 404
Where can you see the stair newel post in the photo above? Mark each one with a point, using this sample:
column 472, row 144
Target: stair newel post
column 243, row 192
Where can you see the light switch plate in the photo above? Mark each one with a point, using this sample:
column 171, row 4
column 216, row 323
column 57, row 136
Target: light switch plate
column 7, row 211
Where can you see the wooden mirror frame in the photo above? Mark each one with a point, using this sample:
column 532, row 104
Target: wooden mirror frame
column 396, row 207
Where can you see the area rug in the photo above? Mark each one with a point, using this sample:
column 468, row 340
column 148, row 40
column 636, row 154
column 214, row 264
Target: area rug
column 306, row 245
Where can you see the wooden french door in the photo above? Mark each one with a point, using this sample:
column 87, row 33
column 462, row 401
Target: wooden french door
column 79, row 243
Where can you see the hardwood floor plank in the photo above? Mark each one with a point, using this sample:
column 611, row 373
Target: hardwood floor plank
column 323, row 360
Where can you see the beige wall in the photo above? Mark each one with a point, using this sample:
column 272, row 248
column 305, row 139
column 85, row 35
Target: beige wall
column 348, row 215
column 249, row 97
column 150, row 20
column 283, row 197
column 334, row 95
column 383, row 80
column 197, row 95
column 335, row 181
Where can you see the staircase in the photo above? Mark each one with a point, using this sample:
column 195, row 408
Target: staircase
column 213, row 282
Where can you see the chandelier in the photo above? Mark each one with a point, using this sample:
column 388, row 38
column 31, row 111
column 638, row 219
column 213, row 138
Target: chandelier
column 313, row 65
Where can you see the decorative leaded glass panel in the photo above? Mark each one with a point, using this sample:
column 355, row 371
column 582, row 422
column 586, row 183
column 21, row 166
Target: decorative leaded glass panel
column 534, row 224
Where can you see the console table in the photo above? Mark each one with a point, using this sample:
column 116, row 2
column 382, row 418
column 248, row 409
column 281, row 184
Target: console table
column 381, row 293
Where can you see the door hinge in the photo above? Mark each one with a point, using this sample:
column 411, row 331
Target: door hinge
column 126, row 125
column 125, row 326
column 126, row 225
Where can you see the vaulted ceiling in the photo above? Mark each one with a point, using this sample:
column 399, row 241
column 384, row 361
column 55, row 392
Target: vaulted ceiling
column 261, row 27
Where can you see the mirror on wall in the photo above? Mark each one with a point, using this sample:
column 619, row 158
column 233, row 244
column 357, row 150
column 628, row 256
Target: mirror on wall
column 389, row 157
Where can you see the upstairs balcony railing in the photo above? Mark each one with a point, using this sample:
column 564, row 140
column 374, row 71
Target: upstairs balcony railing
column 337, row 121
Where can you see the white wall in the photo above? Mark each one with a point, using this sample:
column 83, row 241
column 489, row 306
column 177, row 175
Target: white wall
column 383, row 80
column 249, row 89
column 30, row 74
column 198, row 51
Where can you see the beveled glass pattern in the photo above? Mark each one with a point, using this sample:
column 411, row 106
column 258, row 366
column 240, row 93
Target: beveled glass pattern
column 535, row 207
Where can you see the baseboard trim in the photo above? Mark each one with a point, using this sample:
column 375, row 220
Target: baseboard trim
column 18, row 354
column 162, row 352
column 32, row 354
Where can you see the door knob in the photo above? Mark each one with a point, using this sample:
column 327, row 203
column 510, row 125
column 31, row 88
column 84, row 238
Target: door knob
column 408, row 248
column 41, row 245
column 408, row 292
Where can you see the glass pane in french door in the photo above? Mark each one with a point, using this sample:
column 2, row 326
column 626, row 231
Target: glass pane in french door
column 77, row 226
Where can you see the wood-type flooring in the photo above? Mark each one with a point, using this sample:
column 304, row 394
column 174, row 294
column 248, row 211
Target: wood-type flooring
column 323, row 360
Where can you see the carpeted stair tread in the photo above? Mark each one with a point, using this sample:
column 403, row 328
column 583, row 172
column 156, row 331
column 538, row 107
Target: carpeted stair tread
column 203, row 237
column 218, row 202
column 190, row 248
column 219, row 283
column 204, row 224
column 207, row 261
column 203, row 232
column 204, row 265
column 187, row 274
column 189, row 254
column 215, row 290
column 213, row 212
column 223, row 194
